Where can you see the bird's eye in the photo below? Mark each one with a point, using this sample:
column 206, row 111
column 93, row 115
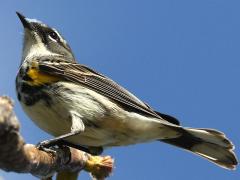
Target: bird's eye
column 53, row 36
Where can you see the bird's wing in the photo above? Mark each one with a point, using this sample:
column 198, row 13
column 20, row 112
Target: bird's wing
column 81, row 74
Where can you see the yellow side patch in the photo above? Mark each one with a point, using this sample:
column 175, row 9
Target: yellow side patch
column 39, row 78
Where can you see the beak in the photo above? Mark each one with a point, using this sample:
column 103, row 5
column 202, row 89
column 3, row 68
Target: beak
column 25, row 22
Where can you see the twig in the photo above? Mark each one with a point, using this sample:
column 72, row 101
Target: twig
column 17, row 156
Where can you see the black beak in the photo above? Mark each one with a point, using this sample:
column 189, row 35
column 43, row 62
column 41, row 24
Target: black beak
column 25, row 22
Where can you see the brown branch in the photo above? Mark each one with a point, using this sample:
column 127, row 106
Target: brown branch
column 17, row 156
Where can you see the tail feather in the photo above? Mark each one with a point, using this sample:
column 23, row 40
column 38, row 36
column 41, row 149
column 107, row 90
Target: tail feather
column 212, row 136
column 208, row 143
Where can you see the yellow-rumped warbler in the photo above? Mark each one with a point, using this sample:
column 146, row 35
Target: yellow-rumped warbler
column 81, row 107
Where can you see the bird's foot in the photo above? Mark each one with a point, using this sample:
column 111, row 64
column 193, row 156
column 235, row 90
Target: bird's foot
column 45, row 146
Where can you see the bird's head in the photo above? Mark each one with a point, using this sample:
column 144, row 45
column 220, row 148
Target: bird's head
column 41, row 40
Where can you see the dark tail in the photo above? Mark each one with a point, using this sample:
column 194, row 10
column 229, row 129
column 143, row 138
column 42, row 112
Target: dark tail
column 208, row 143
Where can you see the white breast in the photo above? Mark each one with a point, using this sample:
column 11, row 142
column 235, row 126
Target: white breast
column 106, row 123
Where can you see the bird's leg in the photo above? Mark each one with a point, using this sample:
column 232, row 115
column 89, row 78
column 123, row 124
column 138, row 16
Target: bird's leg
column 76, row 128
column 69, row 144
column 57, row 140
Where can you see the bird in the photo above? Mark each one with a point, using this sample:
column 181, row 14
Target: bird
column 83, row 108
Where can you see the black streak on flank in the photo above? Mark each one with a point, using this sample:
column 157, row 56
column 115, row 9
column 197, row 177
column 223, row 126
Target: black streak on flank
column 26, row 78
column 30, row 90
column 29, row 101
column 33, row 94
column 19, row 96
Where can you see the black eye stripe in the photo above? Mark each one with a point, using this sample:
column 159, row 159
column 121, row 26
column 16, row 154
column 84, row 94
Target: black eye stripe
column 48, row 35
column 44, row 32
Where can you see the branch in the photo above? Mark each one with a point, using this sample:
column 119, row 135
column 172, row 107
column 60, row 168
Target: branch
column 17, row 156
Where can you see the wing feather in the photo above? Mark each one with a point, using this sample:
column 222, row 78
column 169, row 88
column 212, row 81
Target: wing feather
column 78, row 73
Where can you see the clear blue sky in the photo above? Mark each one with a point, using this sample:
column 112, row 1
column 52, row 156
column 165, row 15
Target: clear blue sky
column 181, row 57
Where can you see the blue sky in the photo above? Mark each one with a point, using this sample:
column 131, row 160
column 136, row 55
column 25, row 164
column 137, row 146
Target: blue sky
column 181, row 57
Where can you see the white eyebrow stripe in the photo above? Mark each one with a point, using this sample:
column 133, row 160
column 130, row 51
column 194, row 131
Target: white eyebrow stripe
column 59, row 35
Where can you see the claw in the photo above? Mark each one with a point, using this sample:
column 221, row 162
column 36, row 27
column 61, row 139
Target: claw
column 42, row 144
column 47, row 150
column 45, row 146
